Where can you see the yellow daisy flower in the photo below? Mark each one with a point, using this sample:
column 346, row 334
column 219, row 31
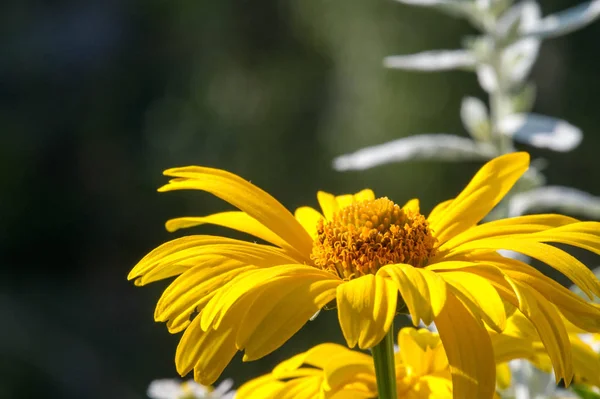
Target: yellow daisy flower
column 333, row 371
column 358, row 254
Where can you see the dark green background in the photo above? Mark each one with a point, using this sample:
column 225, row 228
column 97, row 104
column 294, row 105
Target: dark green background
column 98, row 97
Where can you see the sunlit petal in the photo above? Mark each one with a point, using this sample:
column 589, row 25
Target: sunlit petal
column 503, row 375
column 276, row 314
column 235, row 220
column 245, row 288
column 469, row 350
column 576, row 271
column 412, row 205
column 206, row 351
column 549, row 326
column 308, row 218
column 244, row 196
column 176, row 256
column 366, row 308
column 438, row 211
column 348, row 199
column 192, row 290
column 264, row 387
column 486, row 189
column 328, row 203
column 423, row 291
column 503, row 227
column 479, row 296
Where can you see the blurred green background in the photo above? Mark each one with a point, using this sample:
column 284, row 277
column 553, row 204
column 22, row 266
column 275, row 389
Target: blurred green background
column 98, row 97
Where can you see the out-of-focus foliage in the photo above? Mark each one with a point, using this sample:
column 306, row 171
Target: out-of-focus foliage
column 502, row 57
column 98, row 97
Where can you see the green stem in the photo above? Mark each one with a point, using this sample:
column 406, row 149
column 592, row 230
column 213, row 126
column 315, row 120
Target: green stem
column 385, row 367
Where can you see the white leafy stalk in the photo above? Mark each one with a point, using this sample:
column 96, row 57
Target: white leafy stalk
column 178, row 389
column 502, row 57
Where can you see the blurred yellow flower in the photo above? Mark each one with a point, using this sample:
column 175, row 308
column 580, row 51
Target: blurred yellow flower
column 333, row 371
column 358, row 254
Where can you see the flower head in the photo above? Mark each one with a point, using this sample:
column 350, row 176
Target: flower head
column 366, row 235
column 333, row 371
column 360, row 252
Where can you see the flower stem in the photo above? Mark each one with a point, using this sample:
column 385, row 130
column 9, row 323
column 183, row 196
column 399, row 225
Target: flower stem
column 385, row 367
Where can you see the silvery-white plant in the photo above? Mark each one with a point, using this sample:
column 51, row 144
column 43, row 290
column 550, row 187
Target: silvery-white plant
column 528, row 382
column 502, row 57
column 178, row 389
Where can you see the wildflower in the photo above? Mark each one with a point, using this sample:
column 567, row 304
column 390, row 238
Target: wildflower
column 333, row 371
column 357, row 256
column 175, row 389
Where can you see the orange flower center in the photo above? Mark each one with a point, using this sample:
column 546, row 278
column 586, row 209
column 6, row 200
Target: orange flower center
column 369, row 234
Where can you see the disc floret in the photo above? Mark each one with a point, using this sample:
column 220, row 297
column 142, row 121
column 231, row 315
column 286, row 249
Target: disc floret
column 366, row 235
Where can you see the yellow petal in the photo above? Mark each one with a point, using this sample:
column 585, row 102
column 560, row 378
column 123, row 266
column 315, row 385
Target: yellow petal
column 469, row 350
column 417, row 349
column 279, row 311
column 328, row 204
column 491, row 273
column 539, row 311
column 423, row 292
column 503, row 375
column 412, row 205
column 507, row 347
column 586, row 362
column 568, row 265
column 299, row 373
column 160, row 273
column 245, row 196
column 438, row 211
column 235, row 220
column 154, row 259
column 264, row 387
column 206, row 351
column 308, row 218
column 518, row 325
column 517, row 225
column 176, row 256
column 479, row 296
column 575, row 309
column 244, row 289
column 353, row 393
column 364, row 195
column 549, row 326
column 449, row 265
column 317, row 356
column 348, row 199
column 344, row 200
column 366, row 308
column 193, row 289
column 269, row 387
column 584, row 235
column 579, row 312
column 433, row 387
column 489, row 185
column 301, row 388
column 347, row 368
